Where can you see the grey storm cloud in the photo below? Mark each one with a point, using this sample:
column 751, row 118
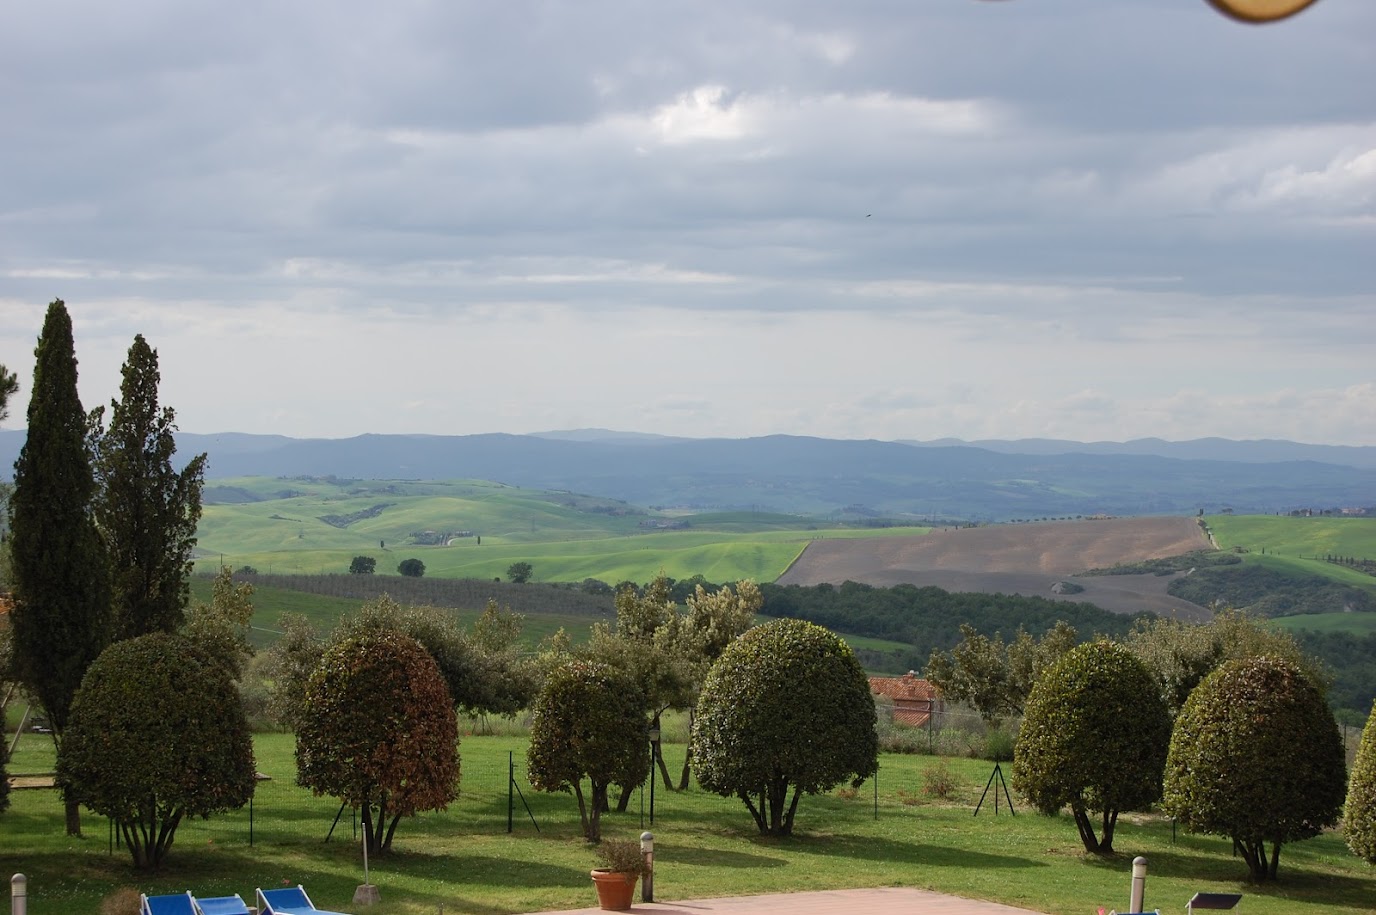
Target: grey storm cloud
column 1079, row 173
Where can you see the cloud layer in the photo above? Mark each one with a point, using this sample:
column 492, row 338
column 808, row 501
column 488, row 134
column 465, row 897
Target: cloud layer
column 1041, row 218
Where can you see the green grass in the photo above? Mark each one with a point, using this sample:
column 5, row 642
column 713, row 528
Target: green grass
column 464, row 860
column 1354, row 623
column 1293, row 543
column 566, row 537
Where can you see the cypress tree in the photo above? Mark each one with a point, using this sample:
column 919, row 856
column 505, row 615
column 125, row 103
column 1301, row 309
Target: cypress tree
column 61, row 619
column 146, row 510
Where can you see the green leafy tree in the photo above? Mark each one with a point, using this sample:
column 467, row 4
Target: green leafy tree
column 9, row 386
column 411, row 568
column 993, row 677
column 146, row 510
column 711, row 621
column 220, row 629
column 379, row 732
column 59, row 570
column 1359, row 816
column 1180, row 654
column 1256, row 755
column 156, row 735
column 519, row 572
column 786, row 706
column 661, row 673
column 588, row 722
column 1094, row 739
column 363, row 565
column 287, row 667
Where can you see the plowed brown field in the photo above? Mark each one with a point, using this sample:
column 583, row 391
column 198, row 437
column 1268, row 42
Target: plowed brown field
column 1025, row 559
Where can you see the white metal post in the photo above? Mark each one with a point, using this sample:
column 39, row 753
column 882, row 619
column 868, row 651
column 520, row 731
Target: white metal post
column 1139, row 884
column 19, row 895
column 647, row 851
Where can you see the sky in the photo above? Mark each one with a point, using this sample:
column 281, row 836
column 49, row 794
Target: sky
column 888, row 219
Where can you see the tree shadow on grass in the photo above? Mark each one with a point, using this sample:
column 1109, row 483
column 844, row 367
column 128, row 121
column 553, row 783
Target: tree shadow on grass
column 1210, row 869
column 870, row 848
column 715, row 857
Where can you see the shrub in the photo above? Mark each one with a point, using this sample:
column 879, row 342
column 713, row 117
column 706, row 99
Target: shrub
column 1094, row 739
column 621, row 856
column 1256, row 756
column 1359, row 819
column 378, row 731
column 998, row 745
column 588, row 722
column 786, row 706
column 155, row 692
column 939, row 781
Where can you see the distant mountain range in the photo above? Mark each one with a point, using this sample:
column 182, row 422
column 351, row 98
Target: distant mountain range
column 946, row 479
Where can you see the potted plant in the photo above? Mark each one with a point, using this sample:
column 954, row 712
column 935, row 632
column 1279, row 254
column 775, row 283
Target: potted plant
column 620, row 864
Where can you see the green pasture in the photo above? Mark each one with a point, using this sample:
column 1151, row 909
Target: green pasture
column 1299, row 539
column 566, row 537
column 1354, row 623
column 464, row 860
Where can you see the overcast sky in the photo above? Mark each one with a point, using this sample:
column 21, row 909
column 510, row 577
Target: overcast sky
column 892, row 219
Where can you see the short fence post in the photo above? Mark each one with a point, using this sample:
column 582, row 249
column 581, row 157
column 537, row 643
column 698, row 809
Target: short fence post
column 19, row 895
column 647, row 852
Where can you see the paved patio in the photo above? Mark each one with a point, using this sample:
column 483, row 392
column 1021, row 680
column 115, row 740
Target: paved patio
column 881, row 901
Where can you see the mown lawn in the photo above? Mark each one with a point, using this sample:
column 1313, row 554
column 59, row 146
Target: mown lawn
column 465, row 861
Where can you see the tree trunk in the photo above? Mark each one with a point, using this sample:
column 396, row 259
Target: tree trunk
column 1086, row 828
column 778, row 794
column 687, row 756
column 1106, row 832
column 73, row 810
column 756, row 813
column 582, row 809
column 624, row 799
column 599, row 803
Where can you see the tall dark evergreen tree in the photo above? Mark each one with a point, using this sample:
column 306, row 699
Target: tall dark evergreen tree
column 146, row 510
column 60, row 573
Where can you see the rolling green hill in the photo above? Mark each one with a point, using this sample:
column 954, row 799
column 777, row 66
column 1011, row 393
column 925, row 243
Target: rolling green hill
column 474, row 529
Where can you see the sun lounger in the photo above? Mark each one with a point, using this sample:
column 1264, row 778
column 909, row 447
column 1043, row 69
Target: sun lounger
column 220, row 905
column 288, row 901
column 169, row 904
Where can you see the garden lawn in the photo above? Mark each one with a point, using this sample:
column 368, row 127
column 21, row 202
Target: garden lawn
column 465, row 861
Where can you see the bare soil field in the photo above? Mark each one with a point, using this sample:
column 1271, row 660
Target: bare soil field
column 1026, row 559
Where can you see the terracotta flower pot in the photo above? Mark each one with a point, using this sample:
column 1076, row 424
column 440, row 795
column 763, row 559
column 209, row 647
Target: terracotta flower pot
column 614, row 889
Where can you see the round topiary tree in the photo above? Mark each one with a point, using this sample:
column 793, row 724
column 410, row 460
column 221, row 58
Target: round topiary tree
column 588, row 721
column 786, row 705
column 156, row 735
column 378, row 731
column 1094, row 739
column 1359, row 817
column 1256, row 755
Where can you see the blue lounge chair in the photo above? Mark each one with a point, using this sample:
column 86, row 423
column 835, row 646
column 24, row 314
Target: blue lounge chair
column 288, row 901
column 170, row 904
column 220, row 905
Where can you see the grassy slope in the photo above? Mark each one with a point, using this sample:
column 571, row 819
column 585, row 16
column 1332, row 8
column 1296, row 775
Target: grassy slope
column 464, row 860
column 1299, row 540
column 565, row 537
column 1291, row 545
column 1354, row 623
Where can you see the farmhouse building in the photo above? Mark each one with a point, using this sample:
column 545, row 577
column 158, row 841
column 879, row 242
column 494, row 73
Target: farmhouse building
column 914, row 699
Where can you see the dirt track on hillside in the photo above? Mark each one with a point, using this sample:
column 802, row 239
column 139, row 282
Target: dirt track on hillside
column 1025, row 559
